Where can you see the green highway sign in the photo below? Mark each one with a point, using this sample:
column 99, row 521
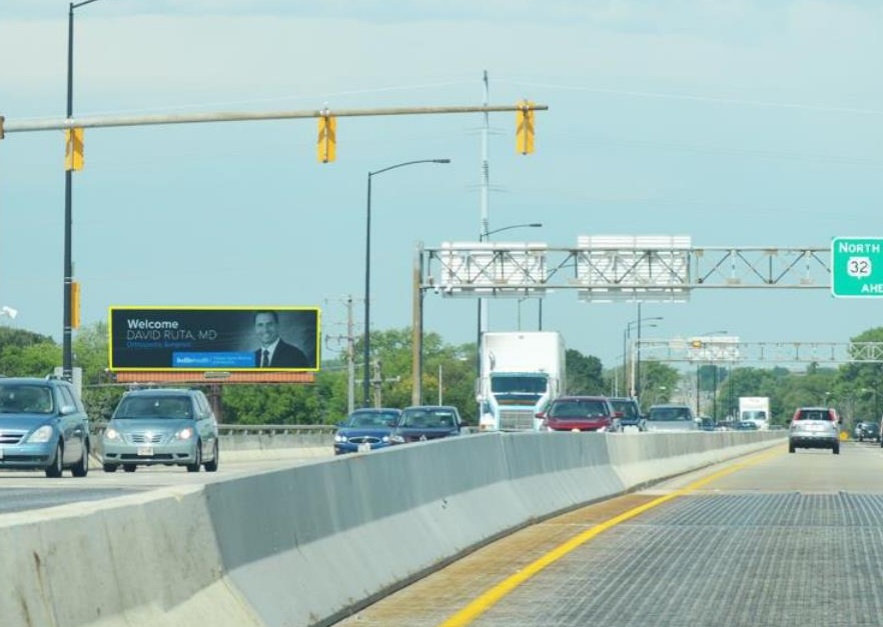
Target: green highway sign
column 857, row 267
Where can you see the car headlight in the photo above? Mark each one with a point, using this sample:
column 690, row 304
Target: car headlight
column 41, row 435
column 396, row 439
column 339, row 438
column 112, row 434
column 385, row 439
column 184, row 434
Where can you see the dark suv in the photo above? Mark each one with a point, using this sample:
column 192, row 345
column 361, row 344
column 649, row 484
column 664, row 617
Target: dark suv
column 579, row 413
column 814, row 427
column 630, row 411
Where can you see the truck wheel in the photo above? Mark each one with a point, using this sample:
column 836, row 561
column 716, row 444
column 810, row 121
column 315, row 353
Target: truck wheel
column 791, row 447
column 836, row 449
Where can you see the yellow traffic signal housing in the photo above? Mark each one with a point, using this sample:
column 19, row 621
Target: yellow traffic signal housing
column 327, row 146
column 73, row 149
column 524, row 127
column 75, row 305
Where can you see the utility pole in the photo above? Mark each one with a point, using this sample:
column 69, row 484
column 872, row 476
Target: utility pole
column 350, row 358
column 483, row 227
column 350, row 351
column 377, row 381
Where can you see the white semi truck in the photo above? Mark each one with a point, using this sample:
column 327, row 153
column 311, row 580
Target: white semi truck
column 521, row 371
column 755, row 409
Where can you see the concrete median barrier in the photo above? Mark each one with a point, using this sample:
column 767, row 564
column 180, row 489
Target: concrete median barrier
column 307, row 545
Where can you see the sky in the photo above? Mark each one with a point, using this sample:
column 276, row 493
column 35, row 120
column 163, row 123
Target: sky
column 741, row 123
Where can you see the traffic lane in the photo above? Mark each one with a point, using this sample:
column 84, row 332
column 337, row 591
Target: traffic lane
column 32, row 490
column 736, row 551
column 440, row 596
column 856, row 469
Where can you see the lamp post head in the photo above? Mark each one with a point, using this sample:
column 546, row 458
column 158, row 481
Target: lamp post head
column 531, row 225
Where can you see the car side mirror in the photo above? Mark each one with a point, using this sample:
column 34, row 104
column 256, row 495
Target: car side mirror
column 541, row 415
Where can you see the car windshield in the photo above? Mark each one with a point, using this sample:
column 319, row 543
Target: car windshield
column 371, row 419
column 26, row 399
column 428, row 418
column 579, row 409
column 628, row 408
column 151, row 407
column 664, row 414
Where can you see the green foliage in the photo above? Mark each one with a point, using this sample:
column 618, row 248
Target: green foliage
column 90, row 352
column 854, row 388
column 659, row 382
column 26, row 354
column 584, row 374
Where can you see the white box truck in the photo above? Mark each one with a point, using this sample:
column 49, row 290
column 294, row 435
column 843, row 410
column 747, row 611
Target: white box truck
column 521, row 371
column 755, row 409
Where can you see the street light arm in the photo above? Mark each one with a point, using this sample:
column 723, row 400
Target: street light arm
column 367, row 330
column 531, row 225
column 398, row 165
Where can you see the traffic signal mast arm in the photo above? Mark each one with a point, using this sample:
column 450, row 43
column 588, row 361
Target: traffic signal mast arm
column 12, row 126
column 327, row 135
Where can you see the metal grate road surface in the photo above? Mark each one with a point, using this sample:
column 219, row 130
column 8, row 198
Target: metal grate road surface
column 722, row 560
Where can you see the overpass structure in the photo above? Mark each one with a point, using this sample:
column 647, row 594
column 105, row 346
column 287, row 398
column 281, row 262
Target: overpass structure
column 722, row 348
column 606, row 268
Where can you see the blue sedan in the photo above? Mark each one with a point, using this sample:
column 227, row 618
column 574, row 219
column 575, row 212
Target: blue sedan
column 365, row 430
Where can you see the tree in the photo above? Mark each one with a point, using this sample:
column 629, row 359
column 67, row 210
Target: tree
column 27, row 354
column 584, row 374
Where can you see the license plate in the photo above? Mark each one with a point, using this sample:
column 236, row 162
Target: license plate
column 145, row 451
column 364, row 447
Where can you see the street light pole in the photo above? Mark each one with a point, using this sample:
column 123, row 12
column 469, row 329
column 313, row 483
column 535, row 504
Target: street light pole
column 482, row 237
column 714, row 379
column 627, row 335
column 66, row 348
column 366, row 383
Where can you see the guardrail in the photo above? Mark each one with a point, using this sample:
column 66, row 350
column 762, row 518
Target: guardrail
column 253, row 437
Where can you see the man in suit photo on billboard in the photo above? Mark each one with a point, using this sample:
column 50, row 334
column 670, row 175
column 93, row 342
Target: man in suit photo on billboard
column 274, row 351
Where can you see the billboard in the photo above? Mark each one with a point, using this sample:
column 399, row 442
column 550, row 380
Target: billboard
column 214, row 338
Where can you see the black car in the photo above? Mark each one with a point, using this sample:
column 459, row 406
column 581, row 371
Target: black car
column 426, row 422
column 629, row 414
column 866, row 430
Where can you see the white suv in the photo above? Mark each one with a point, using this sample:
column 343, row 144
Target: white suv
column 814, row 427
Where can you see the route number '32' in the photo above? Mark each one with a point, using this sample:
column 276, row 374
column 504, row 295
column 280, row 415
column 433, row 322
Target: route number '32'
column 859, row 267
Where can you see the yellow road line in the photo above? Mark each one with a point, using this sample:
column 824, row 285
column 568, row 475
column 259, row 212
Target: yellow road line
column 493, row 595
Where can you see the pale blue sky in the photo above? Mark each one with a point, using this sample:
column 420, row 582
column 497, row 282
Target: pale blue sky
column 740, row 123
